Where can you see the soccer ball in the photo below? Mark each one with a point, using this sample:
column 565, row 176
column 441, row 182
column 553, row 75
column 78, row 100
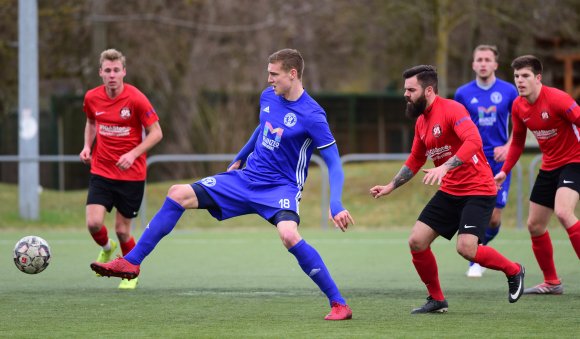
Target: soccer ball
column 31, row 254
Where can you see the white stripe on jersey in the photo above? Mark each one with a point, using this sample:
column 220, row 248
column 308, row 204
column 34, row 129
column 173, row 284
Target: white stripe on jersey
column 298, row 196
column 324, row 146
column 301, row 165
column 576, row 132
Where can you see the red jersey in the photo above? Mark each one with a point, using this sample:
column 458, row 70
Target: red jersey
column 553, row 119
column 119, row 126
column 443, row 130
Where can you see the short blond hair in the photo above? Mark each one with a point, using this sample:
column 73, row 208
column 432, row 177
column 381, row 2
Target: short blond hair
column 112, row 55
column 491, row 48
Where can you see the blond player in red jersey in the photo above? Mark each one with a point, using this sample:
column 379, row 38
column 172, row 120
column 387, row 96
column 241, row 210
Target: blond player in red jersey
column 553, row 117
column 464, row 203
column 117, row 113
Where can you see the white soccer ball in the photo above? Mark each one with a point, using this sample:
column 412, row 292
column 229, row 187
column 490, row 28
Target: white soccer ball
column 31, row 254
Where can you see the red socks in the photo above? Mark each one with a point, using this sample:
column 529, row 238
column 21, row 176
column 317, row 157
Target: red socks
column 426, row 266
column 489, row 257
column 574, row 235
column 101, row 237
column 544, row 252
column 126, row 247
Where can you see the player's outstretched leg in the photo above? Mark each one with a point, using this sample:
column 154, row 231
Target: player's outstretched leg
column 313, row 265
column 119, row 267
column 161, row 224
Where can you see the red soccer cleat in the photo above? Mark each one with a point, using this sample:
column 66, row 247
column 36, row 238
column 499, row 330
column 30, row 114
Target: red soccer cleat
column 119, row 267
column 339, row 312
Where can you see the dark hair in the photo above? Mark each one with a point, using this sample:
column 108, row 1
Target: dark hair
column 426, row 75
column 491, row 48
column 290, row 59
column 528, row 61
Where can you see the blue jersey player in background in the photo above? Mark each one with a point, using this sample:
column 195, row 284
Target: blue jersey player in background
column 489, row 102
column 276, row 160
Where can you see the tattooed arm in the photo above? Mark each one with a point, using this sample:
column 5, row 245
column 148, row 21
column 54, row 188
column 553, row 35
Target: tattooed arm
column 435, row 175
column 404, row 175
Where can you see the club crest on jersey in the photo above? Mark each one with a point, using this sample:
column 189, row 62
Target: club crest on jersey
column 437, row 131
column 545, row 115
column 290, row 119
column 208, row 181
column 495, row 97
column 125, row 113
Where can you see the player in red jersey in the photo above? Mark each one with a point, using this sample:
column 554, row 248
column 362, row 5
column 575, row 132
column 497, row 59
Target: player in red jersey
column 553, row 117
column 464, row 203
column 116, row 114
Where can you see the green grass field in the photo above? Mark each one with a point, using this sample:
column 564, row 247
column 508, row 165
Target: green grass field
column 243, row 283
column 234, row 279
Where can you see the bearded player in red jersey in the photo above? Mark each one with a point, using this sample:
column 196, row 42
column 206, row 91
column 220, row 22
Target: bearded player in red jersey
column 553, row 117
column 465, row 201
column 116, row 114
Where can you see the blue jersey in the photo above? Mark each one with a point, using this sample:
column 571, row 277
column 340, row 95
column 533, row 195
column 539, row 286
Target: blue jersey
column 490, row 110
column 289, row 132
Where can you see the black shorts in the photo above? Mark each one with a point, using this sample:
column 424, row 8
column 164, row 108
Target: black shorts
column 125, row 196
column 547, row 182
column 447, row 214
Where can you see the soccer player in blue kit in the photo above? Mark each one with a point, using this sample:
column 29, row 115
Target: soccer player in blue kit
column 276, row 162
column 489, row 102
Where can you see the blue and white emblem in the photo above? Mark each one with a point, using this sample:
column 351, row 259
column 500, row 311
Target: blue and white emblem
column 290, row 119
column 209, row 181
column 495, row 97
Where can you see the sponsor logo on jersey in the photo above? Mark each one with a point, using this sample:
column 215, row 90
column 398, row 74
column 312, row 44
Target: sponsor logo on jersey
column 439, row 152
column 114, row 131
column 125, row 113
column 487, row 115
column 99, row 113
column 271, row 136
column 544, row 134
column 436, row 131
column 208, row 181
column 495, row 97
column 290, row 119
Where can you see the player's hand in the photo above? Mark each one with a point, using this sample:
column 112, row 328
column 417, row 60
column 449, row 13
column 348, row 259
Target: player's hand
column 341, row 220
column 378, row 191
column 126, row 161
column 235, row 165
column 435, row 175
column 85, row 155
column 500, row 153
column 499, row 179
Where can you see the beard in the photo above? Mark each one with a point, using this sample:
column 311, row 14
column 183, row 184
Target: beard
column 415, row 109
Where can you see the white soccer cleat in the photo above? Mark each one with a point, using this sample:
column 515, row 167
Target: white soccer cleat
column 475, row 271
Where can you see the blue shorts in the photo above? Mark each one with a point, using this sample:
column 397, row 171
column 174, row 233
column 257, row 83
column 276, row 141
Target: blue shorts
column 235, row 194
column 502, row 193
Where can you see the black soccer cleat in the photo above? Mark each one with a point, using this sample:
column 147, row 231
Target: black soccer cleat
column 516, row 285
column 432, row 306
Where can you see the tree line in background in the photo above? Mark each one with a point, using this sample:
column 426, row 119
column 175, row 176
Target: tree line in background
column 177, row 50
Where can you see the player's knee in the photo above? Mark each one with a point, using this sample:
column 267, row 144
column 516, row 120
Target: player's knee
column 123, row 235
column 416, row 244
column 536, row 228
column 564, row 215
column 289, row 237
column 467, row 251
column 179, row 193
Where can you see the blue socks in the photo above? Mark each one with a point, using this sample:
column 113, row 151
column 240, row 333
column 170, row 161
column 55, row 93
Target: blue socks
column 312, row 264
column 162, row 223
column 490, row 233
